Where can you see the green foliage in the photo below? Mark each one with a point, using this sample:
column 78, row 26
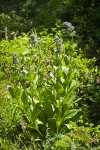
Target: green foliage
column 49, row 95
column 55, row 93
column 24, row 15
column 45, row 94
column 78, row 138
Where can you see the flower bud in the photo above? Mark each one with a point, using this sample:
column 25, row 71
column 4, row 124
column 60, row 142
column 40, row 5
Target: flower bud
column 58, row 44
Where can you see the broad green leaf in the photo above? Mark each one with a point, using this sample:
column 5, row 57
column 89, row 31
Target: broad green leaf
column 71, row 76
column 49, row 94
column 12, row 91
column 34, row 126
column 30, row 76
column 48, row 108
column 34, row 83
column 69, row 94
column 34, row 114
column 25, row 100
column 70, row 113
column 26, row 117
column 59, row 87
column 66, row 59
column 71, row 101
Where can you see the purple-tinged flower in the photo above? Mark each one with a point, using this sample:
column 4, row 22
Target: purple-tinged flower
column 56, row 38
column 15, row 58
column 32, row 36
column 68, row 26
column 33, row 40
column 58, row 44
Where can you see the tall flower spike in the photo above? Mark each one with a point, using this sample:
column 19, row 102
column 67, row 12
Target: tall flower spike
column 58, row 44
column 33, row 40
column 15, row 58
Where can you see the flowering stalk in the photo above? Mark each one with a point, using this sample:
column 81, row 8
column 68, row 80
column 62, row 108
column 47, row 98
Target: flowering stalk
column 32, row 40
column 15, row 58
column 68, row 26
column 58, row 44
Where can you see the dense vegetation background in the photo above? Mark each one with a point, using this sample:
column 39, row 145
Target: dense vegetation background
column 50, row 74
column 24, row 15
